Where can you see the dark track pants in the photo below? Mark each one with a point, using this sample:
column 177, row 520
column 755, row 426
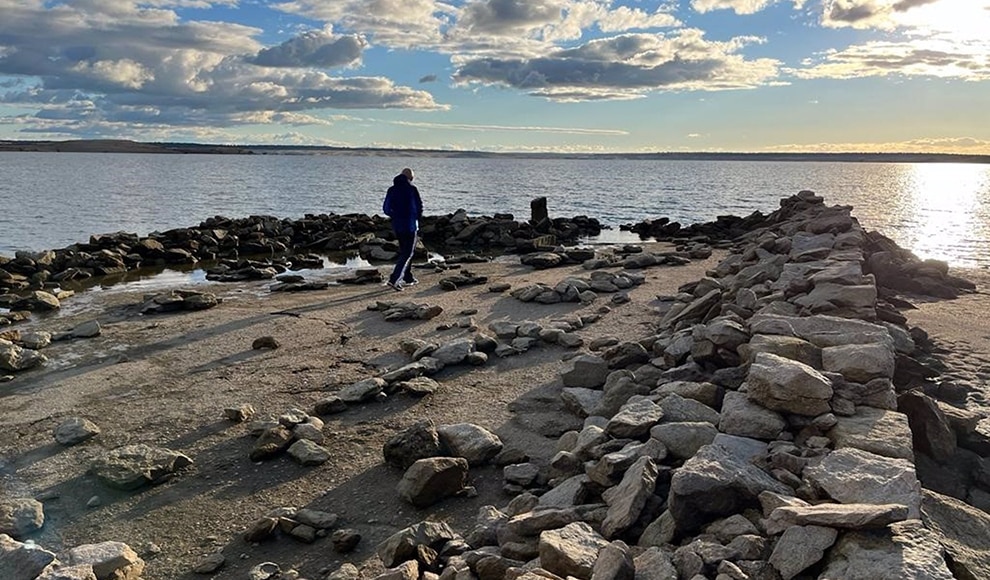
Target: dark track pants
column 407, row 244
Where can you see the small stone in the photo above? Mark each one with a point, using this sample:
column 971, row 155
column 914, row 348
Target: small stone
column 329, row 406
column 86, row 330
column 239, row 414
column 210, row 564
column 346, row 571
column 261, row 529
column 308, row 453
column 345, row 540
column 263, row 342
column 94, row 502
column 75, row 430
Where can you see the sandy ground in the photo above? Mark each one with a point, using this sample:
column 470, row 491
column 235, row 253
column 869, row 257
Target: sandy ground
column 164, row 380
column 960, row 329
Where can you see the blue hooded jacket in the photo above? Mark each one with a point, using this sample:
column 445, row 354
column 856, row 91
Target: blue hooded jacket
column 403, row 205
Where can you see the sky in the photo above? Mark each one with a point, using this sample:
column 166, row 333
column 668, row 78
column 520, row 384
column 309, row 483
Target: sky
column 581, row 76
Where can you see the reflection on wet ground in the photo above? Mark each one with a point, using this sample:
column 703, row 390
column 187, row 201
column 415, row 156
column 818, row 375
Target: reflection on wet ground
column 90, row 295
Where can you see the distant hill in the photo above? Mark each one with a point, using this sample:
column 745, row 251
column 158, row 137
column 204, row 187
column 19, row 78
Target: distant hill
column 119, row 146
column 125, row 146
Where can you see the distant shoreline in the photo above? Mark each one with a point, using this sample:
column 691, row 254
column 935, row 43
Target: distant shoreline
column 124, row 146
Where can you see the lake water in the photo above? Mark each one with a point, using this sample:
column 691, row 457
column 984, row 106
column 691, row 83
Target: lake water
column 51, row 200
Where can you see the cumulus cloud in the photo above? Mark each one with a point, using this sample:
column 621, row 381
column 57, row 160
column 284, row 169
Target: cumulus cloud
column 932, row 58
column 477, row 25
column 882, row 14
column 393, row 23
column 626, row 66
column 509, row 24
column 738, row 6
column 316, row 48
column 502, row 17
column 130, row 61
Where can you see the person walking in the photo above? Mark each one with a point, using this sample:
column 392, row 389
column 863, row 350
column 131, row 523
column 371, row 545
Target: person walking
column 405, row 207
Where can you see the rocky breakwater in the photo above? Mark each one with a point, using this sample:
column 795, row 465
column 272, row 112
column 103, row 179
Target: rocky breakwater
column 229, row 240
column 777, row 431
column 895, row 269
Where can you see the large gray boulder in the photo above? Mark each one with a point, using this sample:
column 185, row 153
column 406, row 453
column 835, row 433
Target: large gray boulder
column 860, row 363
column 932, row 433
column 741, row 416
column 806, row 246
column 619, row 386
column 707, row 393
column 454, row 352
column 854, row 476
column 634, row 419
column 133, row 466
column 654, row 564
column 571, row 550
column 626, row 500
column 678, row 409
column 472, row 442
column 821, row 330
column 720, row 480
column 904, row 551
column 800, row 547
column 111, row 560
column 403, row 545
column 878, row 431
column 20, row 561
column 587, row 370
column 683, row 440
column 15, row 358
column 789, row 386
column 963, row 531
column 413, row 443
column 790, row 347
column 430, row 480
column 362, row 391
column 21, row 516
column 581, row 401
column 828, row 296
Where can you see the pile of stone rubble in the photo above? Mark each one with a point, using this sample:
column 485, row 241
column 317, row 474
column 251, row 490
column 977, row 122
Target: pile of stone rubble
column 771, row 431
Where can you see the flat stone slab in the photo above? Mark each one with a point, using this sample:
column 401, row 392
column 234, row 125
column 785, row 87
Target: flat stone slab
column 908, row 551
column 878, row 431
column 822, row 331
column 854, row 476
column 133, row 466
column 836, row 515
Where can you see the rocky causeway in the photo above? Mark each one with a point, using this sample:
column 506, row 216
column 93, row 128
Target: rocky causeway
column 774, row 396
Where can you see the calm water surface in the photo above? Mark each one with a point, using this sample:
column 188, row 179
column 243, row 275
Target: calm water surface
column 51, row 200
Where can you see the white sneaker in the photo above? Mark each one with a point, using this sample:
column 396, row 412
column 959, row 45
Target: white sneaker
column 397, row 286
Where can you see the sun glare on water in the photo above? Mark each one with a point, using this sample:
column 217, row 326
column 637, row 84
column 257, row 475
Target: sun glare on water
column 950, row 205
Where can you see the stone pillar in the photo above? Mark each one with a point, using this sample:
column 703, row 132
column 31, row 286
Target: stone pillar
column 538, row 210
